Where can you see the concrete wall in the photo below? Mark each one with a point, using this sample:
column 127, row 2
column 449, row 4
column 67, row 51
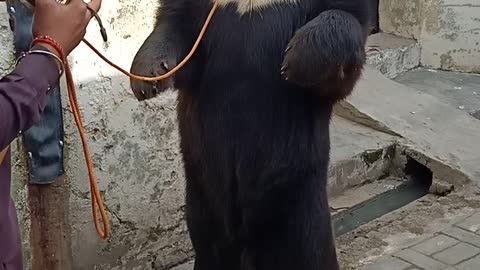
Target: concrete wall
column 134, row 147
column 448, row 30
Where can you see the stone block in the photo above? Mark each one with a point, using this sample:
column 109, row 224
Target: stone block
column 456, row 254
column 420, row 260
column 392, row 55
column 387, row 263
column 463, row 236
column 472, row 264
column 471, row 224
column 435, row 244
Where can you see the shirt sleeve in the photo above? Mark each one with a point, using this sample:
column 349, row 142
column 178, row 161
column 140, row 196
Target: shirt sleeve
column 23, row 94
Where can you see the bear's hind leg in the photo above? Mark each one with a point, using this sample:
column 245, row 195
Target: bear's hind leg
column 289, row 228
column 203, row 230
column 214, row 250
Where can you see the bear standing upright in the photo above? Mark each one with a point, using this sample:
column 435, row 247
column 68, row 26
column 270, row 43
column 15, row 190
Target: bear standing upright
column 254, row 108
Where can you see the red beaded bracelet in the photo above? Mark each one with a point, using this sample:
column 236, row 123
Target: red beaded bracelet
column 50, row 41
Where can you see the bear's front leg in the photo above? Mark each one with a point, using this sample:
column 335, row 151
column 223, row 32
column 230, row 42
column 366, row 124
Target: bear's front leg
column 327, row 55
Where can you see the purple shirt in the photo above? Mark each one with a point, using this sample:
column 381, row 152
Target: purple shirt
column 23, row 96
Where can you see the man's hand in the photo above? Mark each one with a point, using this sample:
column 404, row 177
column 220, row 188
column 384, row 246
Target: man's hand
column 65, row 23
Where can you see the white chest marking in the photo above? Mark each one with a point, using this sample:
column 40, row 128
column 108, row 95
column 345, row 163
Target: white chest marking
column 244, row 6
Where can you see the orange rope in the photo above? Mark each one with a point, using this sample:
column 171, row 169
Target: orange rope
column 3, row 153
column 96, row 197
column 97, row 201
column 176, row 68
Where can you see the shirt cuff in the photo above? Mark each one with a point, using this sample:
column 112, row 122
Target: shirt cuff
column 41, row 70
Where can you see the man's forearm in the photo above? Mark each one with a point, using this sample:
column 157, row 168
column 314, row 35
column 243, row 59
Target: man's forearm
column 23, row 95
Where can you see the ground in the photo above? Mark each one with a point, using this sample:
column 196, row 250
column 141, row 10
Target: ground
column 460, row 90
column 428, row 234
column 433, row 233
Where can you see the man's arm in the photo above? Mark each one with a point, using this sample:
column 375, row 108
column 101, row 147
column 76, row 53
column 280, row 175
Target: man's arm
column 23, row 94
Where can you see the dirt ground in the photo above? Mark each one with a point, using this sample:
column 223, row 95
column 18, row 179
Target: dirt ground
column 402, row 227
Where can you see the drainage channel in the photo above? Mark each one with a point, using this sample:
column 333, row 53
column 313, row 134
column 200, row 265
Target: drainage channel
column 416, row 186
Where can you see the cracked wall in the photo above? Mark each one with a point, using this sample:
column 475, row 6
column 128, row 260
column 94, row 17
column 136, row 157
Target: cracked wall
column 448, row 30
column 135, row 148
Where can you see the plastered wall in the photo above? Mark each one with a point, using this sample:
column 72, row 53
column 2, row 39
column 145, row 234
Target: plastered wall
column 134, row 147
column 447, row 30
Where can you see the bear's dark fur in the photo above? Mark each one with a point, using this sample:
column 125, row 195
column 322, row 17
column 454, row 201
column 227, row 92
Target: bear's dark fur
column 254, row 110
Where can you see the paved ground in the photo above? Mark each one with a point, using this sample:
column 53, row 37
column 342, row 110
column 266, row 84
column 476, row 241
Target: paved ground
column 461, row 90
column 456, row 247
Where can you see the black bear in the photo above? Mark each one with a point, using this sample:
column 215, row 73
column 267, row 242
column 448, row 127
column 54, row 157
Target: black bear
column 254, row 107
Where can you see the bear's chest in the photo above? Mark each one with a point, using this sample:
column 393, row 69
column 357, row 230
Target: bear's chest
column 245, row 6
column 254, row 41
